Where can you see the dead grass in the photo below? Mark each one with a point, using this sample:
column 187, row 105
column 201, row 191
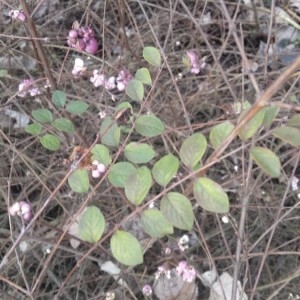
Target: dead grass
column 267, row 263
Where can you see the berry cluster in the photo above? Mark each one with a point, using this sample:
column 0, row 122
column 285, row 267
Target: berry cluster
column 120, row 82
column 82, row 39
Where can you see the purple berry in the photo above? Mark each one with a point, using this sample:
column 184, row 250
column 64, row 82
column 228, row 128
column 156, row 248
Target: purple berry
column 92, row 46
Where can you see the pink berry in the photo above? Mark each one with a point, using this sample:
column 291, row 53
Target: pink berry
column 92, row 46
column 101, row 168
column 80, row 45
column 21, row 17
column 72, row 42
column 73, row 34
column 96, row 174
column 147, row 290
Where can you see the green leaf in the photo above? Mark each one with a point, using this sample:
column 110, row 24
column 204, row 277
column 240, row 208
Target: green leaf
column 138, row 185
column 193, row 149
column 126, row 248
column 219, row 133
column 149, row 126
column 270, row 114
column 91, row 225
column 178, row 210
column 123, row 105
column 101, row 153
column 34, row 128
column 252, row 126
column 139, row 153
column 210, row 196
column 64, row 125
column 119, row 173
column 79, row 181
column 294, row 99
column 77, row 107
column 288, row 134
column 267, row 160
column 50, row 142
column 186, row 61
column 165, row 169
column 152, row 56
column 135, row 90
column 155, row 224
column 110, row 132
column 59, row 98
column 143, row 75
column 3, row 73
column 238, row 107
column 294, row 121
column 42, row 115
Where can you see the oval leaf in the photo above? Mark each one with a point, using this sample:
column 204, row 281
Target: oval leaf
column 101, row 153
column 3, row 73
column 139, row 153
column 155, row 224
column 126, row 248
column 34, row 128
column 294, row 121
column 59, row 98
column 50, row 142
column 210, row 196
column 91, row 225
column 270, row 114
column 252, row 126
column 193, row 149
column 165, row 169
column 135, row 90
column 238, row 107
column 79, row 181
column 219, row 133
column 152, row 56
column 122, row 106
column 119, row 173
column 42, row 115
column 267, row 160
column 64, row 125
column 288, row 134
column 149, row 126
column 138, row 185
column 110, row 133
column 77, row 107
column 178, row 210
column 143, row 75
